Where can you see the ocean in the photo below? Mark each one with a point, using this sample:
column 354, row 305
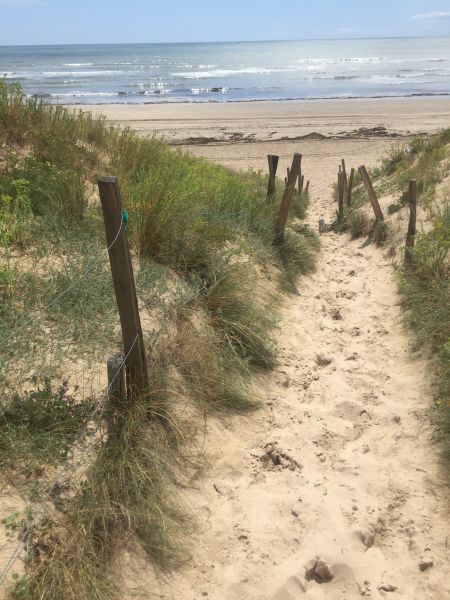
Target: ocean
column 227, row 72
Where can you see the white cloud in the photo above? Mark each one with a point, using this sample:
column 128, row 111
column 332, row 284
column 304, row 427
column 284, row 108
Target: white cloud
column 437, row 14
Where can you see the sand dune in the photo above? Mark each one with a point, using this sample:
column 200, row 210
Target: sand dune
column 332, row 491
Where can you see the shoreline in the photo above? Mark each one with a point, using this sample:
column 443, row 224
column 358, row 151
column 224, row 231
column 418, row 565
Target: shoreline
column 191, row 124
column 424, row 95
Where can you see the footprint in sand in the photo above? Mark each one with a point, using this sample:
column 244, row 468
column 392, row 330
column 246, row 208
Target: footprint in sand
column 320, row 580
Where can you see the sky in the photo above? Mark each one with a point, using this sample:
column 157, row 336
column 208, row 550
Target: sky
column 124, row 21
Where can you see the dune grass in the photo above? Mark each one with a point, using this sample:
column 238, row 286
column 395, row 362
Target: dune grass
column 206, row 271
column 425, row 287
column 425, row 283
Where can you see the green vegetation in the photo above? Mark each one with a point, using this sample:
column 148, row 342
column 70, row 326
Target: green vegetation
column 207, row 273
column 425, row 283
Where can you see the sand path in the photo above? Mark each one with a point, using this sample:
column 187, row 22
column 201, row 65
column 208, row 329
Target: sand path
column 338, row 465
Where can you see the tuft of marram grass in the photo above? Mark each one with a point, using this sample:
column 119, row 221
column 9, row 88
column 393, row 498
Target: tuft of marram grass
column 130, row 493
column 298, row 253
column 240, row 310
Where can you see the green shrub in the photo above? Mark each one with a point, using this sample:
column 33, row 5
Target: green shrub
column 40, row 426
column 15, row 212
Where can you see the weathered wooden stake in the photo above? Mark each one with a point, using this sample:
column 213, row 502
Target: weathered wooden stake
column 124, row 286
column 116, row 392
column 307, row 187
column 286, row 201
column 341, row 189
column 345, row 173
column 350, row 187
column 273, row 166
column 410, row 236
column 371, row 192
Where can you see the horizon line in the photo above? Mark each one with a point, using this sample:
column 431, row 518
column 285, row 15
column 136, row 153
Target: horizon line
column 318, row 39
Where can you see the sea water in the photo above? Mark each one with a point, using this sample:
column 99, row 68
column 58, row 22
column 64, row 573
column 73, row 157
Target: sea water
column 226, row 72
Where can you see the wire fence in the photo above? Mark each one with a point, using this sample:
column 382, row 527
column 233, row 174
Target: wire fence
column 23, row 542
column 45, row 511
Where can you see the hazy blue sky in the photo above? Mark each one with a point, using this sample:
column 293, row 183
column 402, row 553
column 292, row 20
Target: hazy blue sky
column 104, row 21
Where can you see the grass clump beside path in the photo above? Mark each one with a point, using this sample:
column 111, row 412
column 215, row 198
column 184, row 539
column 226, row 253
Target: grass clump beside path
column 207, row 273
column 425, row 283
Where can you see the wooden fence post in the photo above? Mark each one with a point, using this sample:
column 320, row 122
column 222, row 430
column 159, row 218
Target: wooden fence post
column 116, row 392
column 273, row 166
column 124, row 286
column 371, row 192
column 286, row 201
column 344, row 170
column 410, row 236
column 341, row 190
column 350, row 187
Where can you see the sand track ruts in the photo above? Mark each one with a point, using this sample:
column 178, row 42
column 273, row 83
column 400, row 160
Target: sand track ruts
column 338, row 465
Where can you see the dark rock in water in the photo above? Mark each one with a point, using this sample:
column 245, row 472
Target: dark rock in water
column 216, row 89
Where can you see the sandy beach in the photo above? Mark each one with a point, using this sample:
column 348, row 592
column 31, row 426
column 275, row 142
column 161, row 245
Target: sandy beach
column 277, row 121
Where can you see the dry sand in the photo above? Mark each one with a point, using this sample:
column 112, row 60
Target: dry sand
column 271, row 121
column 331, row 491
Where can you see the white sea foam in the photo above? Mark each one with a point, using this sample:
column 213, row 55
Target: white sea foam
column 227, row 72
column 79, row 73
column 88, row 64
column 84, row 94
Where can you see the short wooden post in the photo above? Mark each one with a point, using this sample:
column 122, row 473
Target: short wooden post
column 273, row 166
column 307, row 187
column 410, row 236
column 285, row 181
column 350, row 187
column 288, row 171
column 286, row 201
column 341, row 189
column 124, row 286
column 116, row 392
column 371, row 192
column 302, row 184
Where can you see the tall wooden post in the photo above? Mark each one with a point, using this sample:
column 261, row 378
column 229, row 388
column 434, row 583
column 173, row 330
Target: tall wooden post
column 273, row 166
column 350, row 187
column 124, row 286
column 286, row 201
column 341, row 190
column 410, row 236
column 371, row 192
